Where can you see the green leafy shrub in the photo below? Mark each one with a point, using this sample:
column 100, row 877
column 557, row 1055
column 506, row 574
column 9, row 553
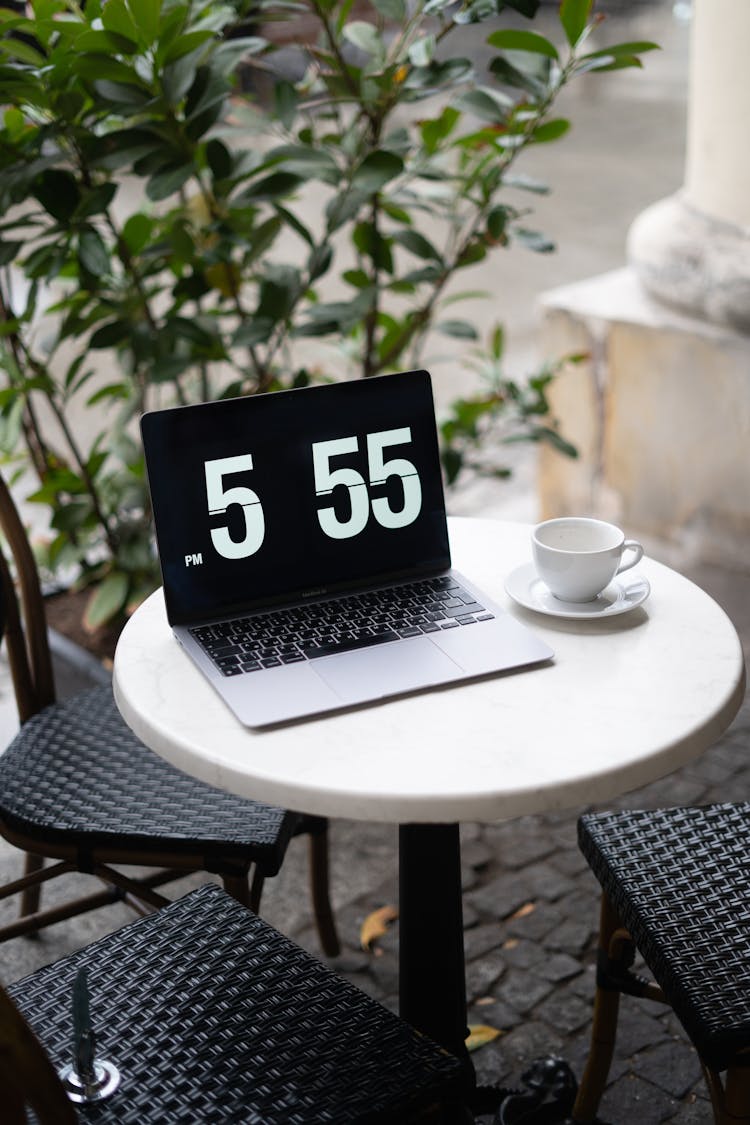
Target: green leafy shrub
column 154, row 221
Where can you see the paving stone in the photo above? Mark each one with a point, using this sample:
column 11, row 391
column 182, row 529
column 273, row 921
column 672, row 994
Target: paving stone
column 569, row 861
column 495, row 1012
column 559, row 967
column 523, row 954
column 477, row 854
column 572, row 936
column 492, row 1066
column 482, row 976
column 470, row 916
column 502, row 896
column 537, row 923
column 695, row 1109
column 636, row 1029
column 530, row 1040
column 564, row 1011
column 631, row 1099
column 671, row 1065
column 519, row 842
column 522, row 991
column 483, row 939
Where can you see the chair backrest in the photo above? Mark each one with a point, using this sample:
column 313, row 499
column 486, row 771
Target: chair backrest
column 27, row 1077
column 25, row 625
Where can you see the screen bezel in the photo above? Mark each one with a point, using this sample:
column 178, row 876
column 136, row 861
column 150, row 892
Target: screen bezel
column 155, row 428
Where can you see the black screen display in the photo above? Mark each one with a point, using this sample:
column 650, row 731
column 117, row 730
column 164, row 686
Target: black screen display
column 270, row 497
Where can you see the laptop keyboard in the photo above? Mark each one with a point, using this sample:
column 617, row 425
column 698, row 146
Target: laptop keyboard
column 306, row 632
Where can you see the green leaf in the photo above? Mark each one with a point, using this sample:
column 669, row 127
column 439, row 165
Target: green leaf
column 371, row 243
column 92, row 252
column 219, row 159
column 285, row 99
column 436, row 130
column 58, row 193
column 417, row 244
column 252, row 332
column 20, row 49
column 534, row 240
column 108, row 599
column 116, row 17
column 269, row 188
column 114, row 390
column 168, row 181
column 97, row 67
column 526, row 183
column 365, row 36
column 422, row 50
column 487, row 104
column 513, row 39
column 146, row 14
column 394, row 10
column 306, row 161
column 574, row 15
column 110, row 334
column 376, row 170
column 96, row 200
column 120, row 93
column 512, row 76
column 460, row 329
column 137, row 232
column 618, row 49
column 186, row 44
column 528, row 8
column 9, row 252
column 550, row 130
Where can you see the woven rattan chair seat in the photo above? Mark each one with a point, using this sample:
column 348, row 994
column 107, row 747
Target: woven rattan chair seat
column 213, row 1016
column 75, row 772
column 679, row 880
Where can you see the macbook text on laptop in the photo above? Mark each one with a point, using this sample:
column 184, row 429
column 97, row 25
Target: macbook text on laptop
column 304, row 549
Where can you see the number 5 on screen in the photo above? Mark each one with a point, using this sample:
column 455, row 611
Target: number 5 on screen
column 219, row 499
column 326, row 479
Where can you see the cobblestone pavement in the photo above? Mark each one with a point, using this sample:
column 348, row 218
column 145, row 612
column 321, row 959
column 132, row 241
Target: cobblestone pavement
column 530, row 907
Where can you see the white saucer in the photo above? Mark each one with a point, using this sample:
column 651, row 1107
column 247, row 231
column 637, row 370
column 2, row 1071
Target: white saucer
column 623, row 594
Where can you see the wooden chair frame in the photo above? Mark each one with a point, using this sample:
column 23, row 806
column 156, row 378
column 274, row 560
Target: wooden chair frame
column 730, row 1096
column 29, row 657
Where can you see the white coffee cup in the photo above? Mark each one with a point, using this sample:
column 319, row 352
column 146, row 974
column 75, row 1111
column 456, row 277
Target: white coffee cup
column 577, row 558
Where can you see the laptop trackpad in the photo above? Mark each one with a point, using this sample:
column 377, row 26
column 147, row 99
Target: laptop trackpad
column 385, row 669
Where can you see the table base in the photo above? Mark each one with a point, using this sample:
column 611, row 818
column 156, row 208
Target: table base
column 432, row 977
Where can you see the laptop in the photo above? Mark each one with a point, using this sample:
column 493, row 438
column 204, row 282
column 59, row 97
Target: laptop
column 304, row 550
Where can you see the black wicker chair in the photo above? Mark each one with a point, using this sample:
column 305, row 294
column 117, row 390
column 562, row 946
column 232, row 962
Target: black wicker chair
column 676, row 886
column 78, row 787
column 210, row 1015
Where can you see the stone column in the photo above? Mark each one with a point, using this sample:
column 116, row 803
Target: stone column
column 692, row 250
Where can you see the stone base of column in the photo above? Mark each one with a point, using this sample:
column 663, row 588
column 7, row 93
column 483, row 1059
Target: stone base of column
column 692, row 261
column 660, row 414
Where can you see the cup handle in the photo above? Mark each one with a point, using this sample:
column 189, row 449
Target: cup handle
column 630, row 545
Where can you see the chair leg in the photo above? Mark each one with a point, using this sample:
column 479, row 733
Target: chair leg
column 321, row 901
column 31, row 895
column 737, row 1095
column 730, row 1100
column 237, row 887
column 604, row 1027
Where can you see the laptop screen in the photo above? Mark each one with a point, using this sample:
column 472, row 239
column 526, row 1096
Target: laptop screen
column 296, row 493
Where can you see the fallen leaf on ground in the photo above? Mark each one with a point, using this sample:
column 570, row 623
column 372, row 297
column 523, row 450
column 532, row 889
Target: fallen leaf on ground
column 527, row 908
column 375, row 925
column 480, row 1034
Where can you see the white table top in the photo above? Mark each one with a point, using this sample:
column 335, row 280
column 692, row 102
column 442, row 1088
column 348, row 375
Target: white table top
column 626, row 700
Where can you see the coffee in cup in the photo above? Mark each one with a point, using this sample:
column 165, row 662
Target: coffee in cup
column 577, row 558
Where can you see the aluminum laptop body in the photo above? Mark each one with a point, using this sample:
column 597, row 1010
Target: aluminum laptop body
column 289, row 525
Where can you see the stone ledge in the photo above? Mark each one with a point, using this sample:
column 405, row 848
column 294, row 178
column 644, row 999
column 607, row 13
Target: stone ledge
column 660, row 414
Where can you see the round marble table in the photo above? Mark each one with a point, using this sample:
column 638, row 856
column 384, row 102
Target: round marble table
column 626, row 699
